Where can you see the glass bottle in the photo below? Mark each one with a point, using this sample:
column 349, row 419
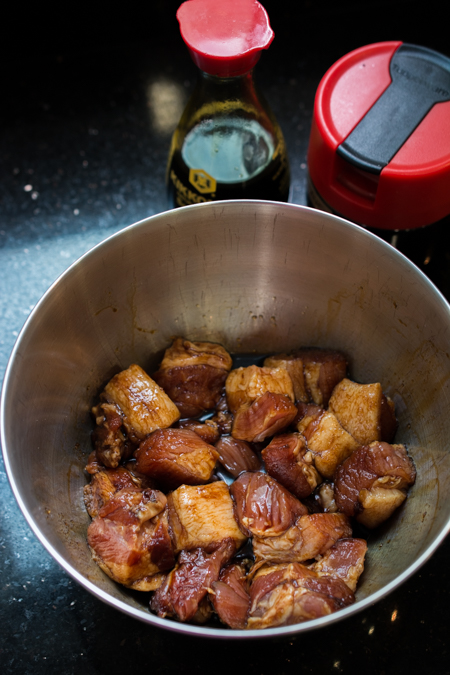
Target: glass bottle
column 228, row 144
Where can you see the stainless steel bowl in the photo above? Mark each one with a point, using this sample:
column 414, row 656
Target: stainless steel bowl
column 254, row 276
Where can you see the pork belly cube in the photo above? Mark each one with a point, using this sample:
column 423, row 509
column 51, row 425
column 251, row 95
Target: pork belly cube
column 186, row 353
column 224, row 421
column 288, row 460
column 364, row 411
column 176, row 456
column 309, row 537
column 202, row 516
column 345, row 559
column 266, row 416
column 208, row 431
column 294, row 366
column 373, row 481
column 237, row 456
column 193, row 375
column 129, row 539
column 229, row 596
column 109, row 437
column 264, row 507
column 306, row 413
column 323, row 369
column 245, row 385
column 105, row 483
column 282, row 595
column 329, row 443
column 325, row 497
column 141, row 404
column 186, row 586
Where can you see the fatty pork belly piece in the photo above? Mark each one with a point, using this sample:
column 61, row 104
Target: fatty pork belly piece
column 373, row 481
column 185, row 588
column 229, row 596
column 328, row 441
column 176, row 456
column 266, row 416
column 193, row 375
column 288, row 460
column 264, row 508
column 132, row 406
column 310, row 536
column 208, row 430
column 364, row 411
column 324, row 369
column 202, row 516
column 236, row 456
column 109, row 438
column 325, row 497
column 306, row 413
column 245, row 385
column 105, row 483
column 129, row 539
column 344, row 560
column 282, row 595
column 294, row 366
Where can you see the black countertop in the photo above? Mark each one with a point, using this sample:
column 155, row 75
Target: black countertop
column 90, row 98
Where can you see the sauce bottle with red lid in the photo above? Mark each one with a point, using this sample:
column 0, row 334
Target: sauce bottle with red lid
column 228, row 144
column 379, row 149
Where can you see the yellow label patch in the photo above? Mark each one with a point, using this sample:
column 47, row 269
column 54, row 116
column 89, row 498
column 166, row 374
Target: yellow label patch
column 202, row 181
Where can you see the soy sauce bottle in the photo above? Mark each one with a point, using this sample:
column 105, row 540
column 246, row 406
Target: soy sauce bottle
column 228, row 144
column 379, row 149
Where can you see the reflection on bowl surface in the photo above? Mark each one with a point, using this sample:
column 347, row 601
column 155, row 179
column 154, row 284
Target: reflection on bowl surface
column 258, row 277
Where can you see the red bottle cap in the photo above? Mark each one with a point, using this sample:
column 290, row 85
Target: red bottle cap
column 379, row 151
column 225, row 37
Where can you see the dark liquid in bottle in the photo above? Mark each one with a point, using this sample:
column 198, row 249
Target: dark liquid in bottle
column 233, row 160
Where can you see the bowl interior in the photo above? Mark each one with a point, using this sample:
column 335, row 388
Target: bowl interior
column 258, row 277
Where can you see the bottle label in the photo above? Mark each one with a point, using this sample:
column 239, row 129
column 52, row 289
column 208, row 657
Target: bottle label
column 202, row 181
column 183, row 195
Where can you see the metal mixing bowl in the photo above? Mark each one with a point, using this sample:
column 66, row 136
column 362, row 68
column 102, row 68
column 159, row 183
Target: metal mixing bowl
column 254, row 276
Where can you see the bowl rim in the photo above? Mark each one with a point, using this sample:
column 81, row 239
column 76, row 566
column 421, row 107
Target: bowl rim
column 146, row 616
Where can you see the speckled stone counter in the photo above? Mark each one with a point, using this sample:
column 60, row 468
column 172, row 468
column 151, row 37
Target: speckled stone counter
column 89, row 101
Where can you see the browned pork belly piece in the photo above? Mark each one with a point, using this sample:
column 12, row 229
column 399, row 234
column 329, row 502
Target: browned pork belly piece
column 282, row 595
column 325, row 497
column 229, row 596
column 294, row 366
column 288, row 460
column 306, row 413
column 202, row 516
column 310, row 536
column 176, row 456
column 186, row 586
column 105, row 483
column 264, row 507
column 186, row 353
column 132, row 406
column 364, row 411
column 245, row 385
column 130, row 540
column 265, row 417
column 323, row 369
column 109, row 437
column 237, row 456
column 208, row 431
column 224, row 421
column 93, row 464
column 372, row 482
column 193, row 375
column 329, row 443
column 344, row 560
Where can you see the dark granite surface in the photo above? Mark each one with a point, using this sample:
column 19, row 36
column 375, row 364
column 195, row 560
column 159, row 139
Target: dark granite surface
column 90, row 98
